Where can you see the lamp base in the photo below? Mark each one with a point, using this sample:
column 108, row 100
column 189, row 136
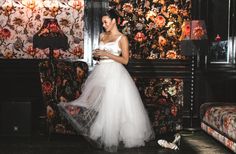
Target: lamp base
column 53, row 71
column 192, row 129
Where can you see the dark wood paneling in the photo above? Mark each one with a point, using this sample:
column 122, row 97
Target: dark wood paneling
column 160, row 68
column 220, row 83
column 19, row 81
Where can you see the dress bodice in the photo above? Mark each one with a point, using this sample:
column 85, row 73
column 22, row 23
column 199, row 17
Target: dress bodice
column 111, row 47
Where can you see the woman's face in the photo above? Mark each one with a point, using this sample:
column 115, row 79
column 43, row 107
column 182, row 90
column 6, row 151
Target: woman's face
column 107, row 23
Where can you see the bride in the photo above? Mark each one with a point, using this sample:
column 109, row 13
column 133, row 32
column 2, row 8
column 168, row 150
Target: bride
column 110, row 111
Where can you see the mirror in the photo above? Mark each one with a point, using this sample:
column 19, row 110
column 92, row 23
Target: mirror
column 221, row 31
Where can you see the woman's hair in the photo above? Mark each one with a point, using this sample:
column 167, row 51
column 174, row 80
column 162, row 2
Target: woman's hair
column 113, row 14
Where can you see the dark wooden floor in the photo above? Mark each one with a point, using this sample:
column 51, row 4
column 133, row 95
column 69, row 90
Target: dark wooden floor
column 191, row 143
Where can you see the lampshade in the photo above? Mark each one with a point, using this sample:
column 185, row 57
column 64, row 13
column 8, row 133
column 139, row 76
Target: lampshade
column 50, row 36
column 194, row 30
column 193, row 37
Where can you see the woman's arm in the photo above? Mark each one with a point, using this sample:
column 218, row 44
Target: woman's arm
column 124, row 46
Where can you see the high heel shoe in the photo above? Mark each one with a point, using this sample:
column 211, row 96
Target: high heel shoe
column 165, row 144
column 177, row 139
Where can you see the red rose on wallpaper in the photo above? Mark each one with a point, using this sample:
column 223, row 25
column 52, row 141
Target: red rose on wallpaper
column 160, row 21
column 5, row 33
column 140, row 37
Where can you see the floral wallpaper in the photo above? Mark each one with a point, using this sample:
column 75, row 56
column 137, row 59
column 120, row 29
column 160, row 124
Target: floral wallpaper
column 21, row 19
column 153, row 26
column 163, row 99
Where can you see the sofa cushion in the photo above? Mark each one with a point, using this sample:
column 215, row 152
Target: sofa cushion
column 221, row 117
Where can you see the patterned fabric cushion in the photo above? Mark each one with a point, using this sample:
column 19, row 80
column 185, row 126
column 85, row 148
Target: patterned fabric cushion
column 221, row 117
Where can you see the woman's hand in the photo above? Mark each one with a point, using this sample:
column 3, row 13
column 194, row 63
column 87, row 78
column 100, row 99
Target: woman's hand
column 95, row 56
column 100, row 53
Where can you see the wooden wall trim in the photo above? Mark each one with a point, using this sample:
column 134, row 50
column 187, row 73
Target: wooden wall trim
column 160, row 68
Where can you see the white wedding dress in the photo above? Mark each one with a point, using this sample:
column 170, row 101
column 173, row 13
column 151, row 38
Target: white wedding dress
column 111, row 110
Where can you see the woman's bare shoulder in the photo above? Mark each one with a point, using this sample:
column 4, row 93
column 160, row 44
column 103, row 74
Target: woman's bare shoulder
column 124, row 37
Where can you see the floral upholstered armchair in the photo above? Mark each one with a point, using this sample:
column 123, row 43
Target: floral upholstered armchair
column 61, row 84
column 163, row 99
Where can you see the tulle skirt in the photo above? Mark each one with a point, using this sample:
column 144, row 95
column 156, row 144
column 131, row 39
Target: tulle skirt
column 110, row 110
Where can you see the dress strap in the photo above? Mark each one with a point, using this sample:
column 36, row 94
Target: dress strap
column 118, row 39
